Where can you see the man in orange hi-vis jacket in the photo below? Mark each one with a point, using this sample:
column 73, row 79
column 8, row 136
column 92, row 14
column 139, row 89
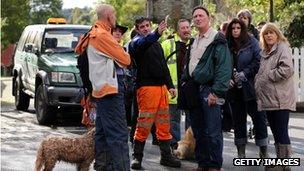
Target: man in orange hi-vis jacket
column 106, row 59
column 153, row 81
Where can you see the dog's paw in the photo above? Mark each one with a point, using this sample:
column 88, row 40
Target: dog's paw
column 178, row 154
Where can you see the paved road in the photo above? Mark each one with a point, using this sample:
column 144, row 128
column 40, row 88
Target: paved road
column 21, row 135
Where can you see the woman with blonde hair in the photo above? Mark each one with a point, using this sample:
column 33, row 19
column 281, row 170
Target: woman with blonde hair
column 275, row 87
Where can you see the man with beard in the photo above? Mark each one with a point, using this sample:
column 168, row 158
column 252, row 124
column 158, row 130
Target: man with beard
column 175, row 51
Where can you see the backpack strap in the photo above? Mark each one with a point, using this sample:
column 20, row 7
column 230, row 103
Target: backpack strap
column 80, row 51
column 169, row 56
column 172, row 53
column 83, row 43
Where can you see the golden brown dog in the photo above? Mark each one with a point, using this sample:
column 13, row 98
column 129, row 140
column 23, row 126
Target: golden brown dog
column 79, row 151
column 186, row 146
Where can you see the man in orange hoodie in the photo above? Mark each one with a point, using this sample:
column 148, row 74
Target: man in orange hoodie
column 106, row 59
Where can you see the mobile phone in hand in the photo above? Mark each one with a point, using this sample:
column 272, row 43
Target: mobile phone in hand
column 167, row 18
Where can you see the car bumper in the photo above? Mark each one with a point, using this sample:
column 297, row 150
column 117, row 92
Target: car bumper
column 63, row 96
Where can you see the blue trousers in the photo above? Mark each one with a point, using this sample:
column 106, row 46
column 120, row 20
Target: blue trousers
column 239, row 111
column 278, row 122
column 206, row 124
column 111, row 137
column 175, row 119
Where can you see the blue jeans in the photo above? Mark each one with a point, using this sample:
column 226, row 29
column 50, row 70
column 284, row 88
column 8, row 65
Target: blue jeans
column 239, row 110
column 206, row 124
column 111, row 137
column 278, row 122
column 175, row 118
column 227, row 122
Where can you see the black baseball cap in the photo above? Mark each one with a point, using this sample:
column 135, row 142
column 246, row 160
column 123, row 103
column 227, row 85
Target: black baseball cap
column 122, row 28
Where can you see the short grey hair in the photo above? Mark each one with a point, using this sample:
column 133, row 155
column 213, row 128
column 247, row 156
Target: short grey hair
column 103, row 10
column 181, row 21
column 245, row 13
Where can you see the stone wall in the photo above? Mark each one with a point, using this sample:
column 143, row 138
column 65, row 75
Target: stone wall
column 175, row 8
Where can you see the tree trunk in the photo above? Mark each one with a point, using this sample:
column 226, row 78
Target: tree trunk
column 271, row 14
column 149, row 6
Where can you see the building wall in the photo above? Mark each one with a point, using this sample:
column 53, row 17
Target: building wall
column 158, row 9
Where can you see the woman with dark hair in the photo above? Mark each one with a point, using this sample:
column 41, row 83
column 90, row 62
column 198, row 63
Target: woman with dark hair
column 246, row 59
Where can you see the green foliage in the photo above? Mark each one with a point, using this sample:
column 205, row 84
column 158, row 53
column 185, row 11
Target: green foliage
column 131, row 10
column 14, row 17
column 41, row 10
column 16, row 14
column 75, row 15
column 81, row 16
column 127, row 10
column 20, row 13
column 118, row 5
column 295, row 29
column 288, row 14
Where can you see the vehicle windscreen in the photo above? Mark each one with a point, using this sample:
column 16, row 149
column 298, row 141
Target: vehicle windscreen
column 61, row 40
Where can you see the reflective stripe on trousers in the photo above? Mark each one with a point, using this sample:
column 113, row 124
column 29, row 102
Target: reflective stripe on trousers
column 153, row 108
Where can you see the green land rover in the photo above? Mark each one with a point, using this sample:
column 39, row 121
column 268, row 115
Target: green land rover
column 45, row 69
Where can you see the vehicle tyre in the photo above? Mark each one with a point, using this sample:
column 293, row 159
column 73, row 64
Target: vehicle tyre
column 22, row 100
column 45, row 113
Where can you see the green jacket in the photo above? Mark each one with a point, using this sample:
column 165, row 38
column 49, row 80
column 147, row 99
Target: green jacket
column 169, row 46
column 214, row 67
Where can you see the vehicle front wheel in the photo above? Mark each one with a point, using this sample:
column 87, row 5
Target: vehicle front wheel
column 46, row 114
column 22, row 100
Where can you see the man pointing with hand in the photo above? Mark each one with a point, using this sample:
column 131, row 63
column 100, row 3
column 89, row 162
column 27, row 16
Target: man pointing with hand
column 153, row 82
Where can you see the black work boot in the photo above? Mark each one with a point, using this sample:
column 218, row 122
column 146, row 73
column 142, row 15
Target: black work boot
column 166, row 158
column 103, row 162
column 137, row 155
column 263, row 152
column 241, row 151
column 154, row 137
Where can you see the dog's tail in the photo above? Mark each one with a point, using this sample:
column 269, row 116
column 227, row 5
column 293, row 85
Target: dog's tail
column 39, row 158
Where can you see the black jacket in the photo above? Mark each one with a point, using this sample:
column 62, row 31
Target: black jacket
column 152, row 69
column 252, row 30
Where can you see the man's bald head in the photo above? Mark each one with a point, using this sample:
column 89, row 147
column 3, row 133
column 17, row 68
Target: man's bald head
column 106, row 12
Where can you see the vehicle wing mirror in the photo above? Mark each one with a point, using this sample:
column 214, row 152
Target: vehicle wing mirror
column 28, row 47
column 31, row 48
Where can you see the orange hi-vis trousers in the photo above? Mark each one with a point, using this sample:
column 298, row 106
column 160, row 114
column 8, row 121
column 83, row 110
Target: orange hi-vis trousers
column 153, row 108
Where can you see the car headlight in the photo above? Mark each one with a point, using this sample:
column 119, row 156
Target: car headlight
column 63, row 77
